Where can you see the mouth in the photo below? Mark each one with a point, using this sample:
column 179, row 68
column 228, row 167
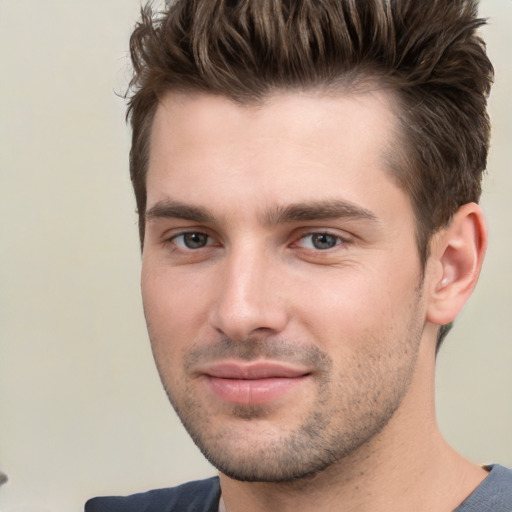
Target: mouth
column 255, row 383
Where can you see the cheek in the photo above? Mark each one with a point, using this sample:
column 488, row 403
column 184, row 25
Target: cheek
column 360, row 306
column 171, row 308
column 171, row 297
column 168, row 319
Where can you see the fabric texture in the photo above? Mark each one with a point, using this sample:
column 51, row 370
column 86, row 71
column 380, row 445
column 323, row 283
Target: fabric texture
column 494, row 494
column 197, row 496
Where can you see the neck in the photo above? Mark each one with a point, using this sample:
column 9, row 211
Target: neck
column 408, row 466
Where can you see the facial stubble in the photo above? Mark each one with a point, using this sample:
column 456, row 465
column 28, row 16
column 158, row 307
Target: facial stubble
column 350, row 409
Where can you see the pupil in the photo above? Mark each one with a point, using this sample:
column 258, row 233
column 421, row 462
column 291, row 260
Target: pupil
column 324, row 241
column 195, row 240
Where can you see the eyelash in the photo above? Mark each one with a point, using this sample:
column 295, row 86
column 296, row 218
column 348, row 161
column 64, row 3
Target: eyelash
column 337, row 239
column 191, row 233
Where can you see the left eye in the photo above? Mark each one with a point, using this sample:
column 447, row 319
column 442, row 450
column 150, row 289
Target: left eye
column 320, row 241
column 192, row 240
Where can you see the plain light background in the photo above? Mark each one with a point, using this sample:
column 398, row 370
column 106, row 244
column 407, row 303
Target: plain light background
column 82, row 412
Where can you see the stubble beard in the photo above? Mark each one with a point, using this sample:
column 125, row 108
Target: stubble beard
column 351, row 409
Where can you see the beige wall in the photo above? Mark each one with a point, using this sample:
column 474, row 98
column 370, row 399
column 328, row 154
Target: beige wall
column 82, row 412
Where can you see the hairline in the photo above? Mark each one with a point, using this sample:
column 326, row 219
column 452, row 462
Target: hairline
column 396, row 156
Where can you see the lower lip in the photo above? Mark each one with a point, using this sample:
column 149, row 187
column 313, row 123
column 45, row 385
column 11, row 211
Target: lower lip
column 253, row 391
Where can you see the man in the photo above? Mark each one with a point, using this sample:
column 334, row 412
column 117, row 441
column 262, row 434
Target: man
column 307, row 175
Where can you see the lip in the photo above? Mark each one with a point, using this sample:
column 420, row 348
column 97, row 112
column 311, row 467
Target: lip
column 253, row 370
column 255, row 383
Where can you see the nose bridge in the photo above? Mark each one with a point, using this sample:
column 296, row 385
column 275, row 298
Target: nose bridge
column 248, row 298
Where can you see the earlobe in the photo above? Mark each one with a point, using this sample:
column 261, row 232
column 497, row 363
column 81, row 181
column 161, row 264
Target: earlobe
column 457, row 256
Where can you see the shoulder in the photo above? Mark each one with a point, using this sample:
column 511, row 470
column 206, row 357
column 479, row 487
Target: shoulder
column 197, row 496
column 494, row 494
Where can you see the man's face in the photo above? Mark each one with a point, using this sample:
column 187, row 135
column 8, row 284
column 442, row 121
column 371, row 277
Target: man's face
column 280, row 278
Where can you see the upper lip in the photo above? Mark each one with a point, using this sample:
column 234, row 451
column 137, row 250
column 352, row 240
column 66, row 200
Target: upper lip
column 253, row 370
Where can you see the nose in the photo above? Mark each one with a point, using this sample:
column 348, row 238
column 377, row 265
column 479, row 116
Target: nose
column 250, row 295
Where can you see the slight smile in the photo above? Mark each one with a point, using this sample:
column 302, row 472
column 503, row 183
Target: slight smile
column 257, row 383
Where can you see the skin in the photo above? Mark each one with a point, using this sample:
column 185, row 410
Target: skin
column 275, row 235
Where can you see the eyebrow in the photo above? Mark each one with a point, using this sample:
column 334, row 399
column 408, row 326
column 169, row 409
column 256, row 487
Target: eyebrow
column 170, row 209
column 297, row 212
column 318, row 210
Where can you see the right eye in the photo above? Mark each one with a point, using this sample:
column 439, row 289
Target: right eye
column 192, row 240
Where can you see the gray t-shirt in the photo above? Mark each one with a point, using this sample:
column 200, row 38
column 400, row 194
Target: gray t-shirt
column 494, row 494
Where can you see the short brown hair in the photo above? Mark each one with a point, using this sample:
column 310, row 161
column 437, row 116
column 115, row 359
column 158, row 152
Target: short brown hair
column 427, row 52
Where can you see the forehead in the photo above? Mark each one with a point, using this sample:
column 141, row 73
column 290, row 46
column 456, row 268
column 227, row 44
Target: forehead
column 305, row 115
column 292, row 145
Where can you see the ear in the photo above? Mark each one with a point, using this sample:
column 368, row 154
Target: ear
column 457, row 254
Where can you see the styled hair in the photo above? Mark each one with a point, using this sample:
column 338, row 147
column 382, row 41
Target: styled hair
column 426, row 52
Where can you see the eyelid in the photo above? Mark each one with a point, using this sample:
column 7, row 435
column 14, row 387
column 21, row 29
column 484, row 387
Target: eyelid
column 183, row 245
column 342, row 238
column 174, row 234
